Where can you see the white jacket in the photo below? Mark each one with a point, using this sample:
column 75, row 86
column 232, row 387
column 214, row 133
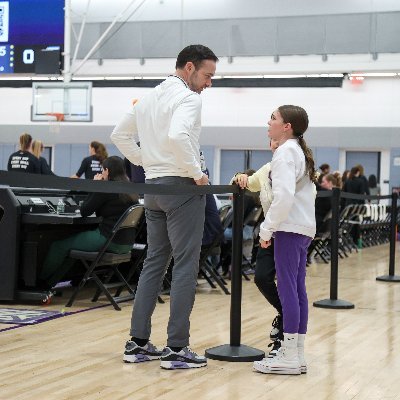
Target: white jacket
column 260, row 182
column 167, row 123
column 293, row 204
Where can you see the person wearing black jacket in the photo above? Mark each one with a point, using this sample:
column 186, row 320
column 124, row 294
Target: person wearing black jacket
column 355, row 184
column 323, row 205
column 37, row 150
column 23, row 160
column 110, row 206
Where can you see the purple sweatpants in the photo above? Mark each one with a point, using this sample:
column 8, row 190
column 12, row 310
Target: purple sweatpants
column 290, row 263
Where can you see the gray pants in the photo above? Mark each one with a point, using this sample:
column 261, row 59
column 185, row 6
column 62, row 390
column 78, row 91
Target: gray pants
column 174, row 223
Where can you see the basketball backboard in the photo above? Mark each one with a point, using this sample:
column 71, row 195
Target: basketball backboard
column 74, row 100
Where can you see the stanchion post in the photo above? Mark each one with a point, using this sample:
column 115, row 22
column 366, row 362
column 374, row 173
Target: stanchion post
column 236, row 272
column 236, row 351
column 392, row 251
column 333, row 301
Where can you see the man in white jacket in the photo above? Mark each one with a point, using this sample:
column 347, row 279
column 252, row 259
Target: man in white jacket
column 167, row 123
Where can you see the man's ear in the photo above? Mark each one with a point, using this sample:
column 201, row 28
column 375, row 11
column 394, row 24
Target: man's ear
column 189, row 66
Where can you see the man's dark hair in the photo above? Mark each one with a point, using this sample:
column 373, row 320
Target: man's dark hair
column 195, row 53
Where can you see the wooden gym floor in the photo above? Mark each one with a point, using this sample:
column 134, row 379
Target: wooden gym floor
column 352, row 354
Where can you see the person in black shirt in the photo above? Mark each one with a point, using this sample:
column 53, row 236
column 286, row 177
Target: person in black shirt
column 92, row 165
column 23, row 160
column 110, row 206
column 355, row 184
column 135, row 172
column 323, row 205
column 37, row 149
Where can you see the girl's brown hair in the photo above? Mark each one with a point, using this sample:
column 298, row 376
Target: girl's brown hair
column 25, row 141
column 100, row 150
column 298, row 119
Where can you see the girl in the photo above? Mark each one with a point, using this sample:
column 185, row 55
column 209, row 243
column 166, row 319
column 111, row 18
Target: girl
column 37, row 150
column 92, row 165
column 265, row 265
column 23, row 160
column 291, row 219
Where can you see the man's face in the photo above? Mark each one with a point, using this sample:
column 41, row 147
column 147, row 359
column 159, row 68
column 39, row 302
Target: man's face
column 200, row 79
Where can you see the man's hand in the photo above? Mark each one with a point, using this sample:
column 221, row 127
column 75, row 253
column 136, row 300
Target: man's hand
column 202, row 181
column 265, row 244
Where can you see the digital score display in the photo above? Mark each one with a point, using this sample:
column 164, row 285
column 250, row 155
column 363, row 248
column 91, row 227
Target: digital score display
column 31, row 36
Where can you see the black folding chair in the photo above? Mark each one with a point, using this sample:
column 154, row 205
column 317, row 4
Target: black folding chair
column 131, row 218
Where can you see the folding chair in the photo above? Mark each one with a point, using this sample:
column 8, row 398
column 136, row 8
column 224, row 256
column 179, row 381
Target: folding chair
column 131, row 218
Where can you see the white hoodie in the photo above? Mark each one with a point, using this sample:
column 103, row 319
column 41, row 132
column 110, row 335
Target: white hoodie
column 293, row 205
column 167, row 123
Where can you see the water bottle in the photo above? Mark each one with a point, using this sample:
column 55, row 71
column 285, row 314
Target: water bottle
column 60, row 206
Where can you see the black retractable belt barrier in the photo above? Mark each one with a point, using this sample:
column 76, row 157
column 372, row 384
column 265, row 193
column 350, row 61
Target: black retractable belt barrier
column 236, row 351
column 232, row 352
column 393, row 222
column 333, row 301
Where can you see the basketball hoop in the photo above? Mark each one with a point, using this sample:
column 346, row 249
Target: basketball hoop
column 54, row 122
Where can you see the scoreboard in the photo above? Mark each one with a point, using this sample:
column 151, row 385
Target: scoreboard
column 31, row 36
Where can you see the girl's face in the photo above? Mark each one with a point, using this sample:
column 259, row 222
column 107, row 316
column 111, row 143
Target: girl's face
column 277, row 128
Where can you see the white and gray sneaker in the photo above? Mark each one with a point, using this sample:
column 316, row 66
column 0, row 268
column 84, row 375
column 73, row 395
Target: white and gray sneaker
column 184, row 359
column 137, row 354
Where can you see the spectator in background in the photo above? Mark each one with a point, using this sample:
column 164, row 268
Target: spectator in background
column 92, row 165
column 338, row 176
column 23, row 160
column 374, row 188
column 323, row 205
column 325, row 169
column 363, row 178
column 355, row 184
column 37, row 150
column 345, row 176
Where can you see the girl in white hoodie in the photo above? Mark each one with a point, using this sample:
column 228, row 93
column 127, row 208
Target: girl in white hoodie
column 291, row 220
column 265, row 272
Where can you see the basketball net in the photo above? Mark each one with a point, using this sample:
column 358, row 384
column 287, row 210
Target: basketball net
column 54, row 120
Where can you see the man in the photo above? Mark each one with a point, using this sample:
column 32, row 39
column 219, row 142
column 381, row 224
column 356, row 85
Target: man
column 167, row 124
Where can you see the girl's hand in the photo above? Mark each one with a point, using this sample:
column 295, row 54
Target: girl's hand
column 242, row 180
column 265, row 244
column 98, row 177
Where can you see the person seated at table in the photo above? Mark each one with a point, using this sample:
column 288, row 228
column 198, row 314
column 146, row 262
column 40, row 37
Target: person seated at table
column 110, row 206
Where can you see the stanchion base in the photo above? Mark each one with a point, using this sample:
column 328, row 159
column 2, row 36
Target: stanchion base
column 241, row 353
column 388, row 278
column 329, row 303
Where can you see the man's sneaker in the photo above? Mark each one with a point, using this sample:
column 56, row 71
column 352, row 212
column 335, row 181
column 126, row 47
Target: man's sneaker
column 277, row 328
column 137, row 354
column 186, row 358
column 276, row 345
